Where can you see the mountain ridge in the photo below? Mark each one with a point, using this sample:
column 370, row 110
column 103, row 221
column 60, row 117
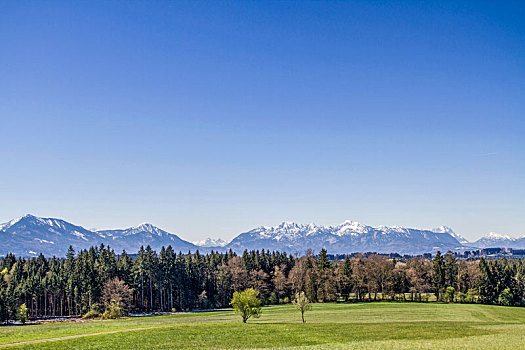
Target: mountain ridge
column 30, row 235
column 493, row 239
column 349, row 236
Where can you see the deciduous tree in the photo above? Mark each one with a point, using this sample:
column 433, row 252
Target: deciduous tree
column 302, row 304
column 247, row 304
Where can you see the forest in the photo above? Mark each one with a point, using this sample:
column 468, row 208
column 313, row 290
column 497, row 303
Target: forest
column 170, row 281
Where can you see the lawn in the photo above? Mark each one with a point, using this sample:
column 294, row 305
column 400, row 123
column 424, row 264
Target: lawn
column 344, row 326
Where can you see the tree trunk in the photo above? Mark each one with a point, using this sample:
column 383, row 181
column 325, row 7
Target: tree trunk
column 171, row 297
column 150, row 295
column 142, row 294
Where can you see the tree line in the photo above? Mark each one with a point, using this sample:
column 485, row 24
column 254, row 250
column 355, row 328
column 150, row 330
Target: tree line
column 170, row 281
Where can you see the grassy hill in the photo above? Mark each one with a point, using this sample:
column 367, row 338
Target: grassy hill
column 342, row 326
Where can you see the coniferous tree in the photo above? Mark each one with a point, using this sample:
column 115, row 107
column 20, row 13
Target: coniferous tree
column 439, row 275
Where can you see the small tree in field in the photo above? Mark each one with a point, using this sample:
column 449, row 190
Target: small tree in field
column 22, row 313
column 247, row 304
column 302, row 304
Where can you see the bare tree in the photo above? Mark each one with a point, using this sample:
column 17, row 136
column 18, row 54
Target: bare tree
column 297, row 275
column 238, row 273
column 259, row 281
column 281, row 283
column 116, row 293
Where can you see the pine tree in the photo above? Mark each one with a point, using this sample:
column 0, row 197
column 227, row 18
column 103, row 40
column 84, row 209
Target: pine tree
column 439, row 275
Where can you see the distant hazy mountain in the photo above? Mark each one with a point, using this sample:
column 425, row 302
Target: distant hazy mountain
column 31, row 235
column 346, row 237
column 211, row 242
column 493, row 240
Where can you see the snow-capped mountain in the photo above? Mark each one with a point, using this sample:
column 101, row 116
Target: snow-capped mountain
column 131, row 239
column 31, row 235
column 446, row 229
column 211, row 242
column 346, row 237
column 492, row 240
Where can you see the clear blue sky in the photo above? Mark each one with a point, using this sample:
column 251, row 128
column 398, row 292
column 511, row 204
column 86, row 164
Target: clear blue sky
column 208, row 119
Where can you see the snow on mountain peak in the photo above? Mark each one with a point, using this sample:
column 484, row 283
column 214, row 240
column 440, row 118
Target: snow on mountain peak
column 10, row 223
column 494, row 235
column 349, row 227
column 348, row 236
column 443, row 229
column 211, row 242
column 450, row 231
column 31, row 219
column 289, row 225
column 147, row 227
column 293, row 231
column 494, row 239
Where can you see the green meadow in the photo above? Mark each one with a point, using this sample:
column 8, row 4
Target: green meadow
column 380, row 325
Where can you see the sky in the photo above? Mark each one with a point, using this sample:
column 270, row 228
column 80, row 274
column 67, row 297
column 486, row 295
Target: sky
column 212, row 118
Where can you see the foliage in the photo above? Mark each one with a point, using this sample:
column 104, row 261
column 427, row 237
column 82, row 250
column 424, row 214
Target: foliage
column 22, row 313
column 166, row 281
column 462, row 297
column 471, row 296
column 113, row 310
column 92, row 314
column 247, row 304
column 501, row 277
column 449, row 294
column 302, row 304
column 439, row 275
column 505, row 297
column 273, row 299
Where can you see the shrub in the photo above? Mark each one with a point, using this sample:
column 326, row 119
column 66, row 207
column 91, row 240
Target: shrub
column 91, row 314
column 273, row 300
column 22, row 313
column 506, row 297
column 471, row 296
column 449, row 294
column 113, row 311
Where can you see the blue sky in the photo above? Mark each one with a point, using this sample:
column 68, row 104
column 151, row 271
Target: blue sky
column 208, row 119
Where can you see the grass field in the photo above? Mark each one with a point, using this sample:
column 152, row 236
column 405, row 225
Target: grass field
column 342, row 326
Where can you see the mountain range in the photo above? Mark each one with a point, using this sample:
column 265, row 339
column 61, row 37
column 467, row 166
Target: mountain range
column 31, row 235
column 497, row 240
column 346, row 237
